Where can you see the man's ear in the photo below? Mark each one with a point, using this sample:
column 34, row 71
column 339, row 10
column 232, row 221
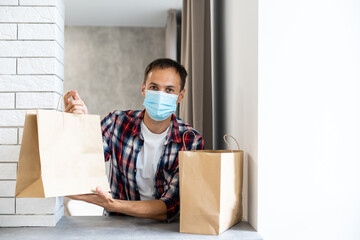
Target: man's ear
column 143, row 89
column 181, row 96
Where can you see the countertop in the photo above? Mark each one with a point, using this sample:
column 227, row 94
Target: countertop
column 119, row 227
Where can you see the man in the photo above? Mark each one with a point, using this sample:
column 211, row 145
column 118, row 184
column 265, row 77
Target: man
column 143, row 146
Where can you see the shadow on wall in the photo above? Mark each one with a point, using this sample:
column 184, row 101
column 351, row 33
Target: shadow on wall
column 251, row 167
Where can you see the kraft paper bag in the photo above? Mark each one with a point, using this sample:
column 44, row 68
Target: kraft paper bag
column 210, row 190
column 61, row 154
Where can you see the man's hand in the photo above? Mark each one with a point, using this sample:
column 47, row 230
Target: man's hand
column 74, row 106
column 100, row 198
column 155, row 209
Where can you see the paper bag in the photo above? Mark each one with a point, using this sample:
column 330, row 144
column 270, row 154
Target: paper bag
column 210, row 190
column 61, row 154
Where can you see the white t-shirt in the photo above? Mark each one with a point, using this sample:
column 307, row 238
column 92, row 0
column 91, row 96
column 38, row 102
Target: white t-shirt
column 147, row 161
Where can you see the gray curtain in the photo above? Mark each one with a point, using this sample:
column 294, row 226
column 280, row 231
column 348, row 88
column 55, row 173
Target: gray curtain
column 171, row 35
column 196, row 108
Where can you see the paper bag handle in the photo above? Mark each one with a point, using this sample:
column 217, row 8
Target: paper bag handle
column 183, row 137
column 63, row 110
column 228, row 135
column 62, row 107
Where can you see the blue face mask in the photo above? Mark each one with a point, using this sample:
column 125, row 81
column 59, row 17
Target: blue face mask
column 159, row 105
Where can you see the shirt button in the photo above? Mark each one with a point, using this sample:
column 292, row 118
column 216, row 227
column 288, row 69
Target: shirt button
column 135, row 170
column 137, row 189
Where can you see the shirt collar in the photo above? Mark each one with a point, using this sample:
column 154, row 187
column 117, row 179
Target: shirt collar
column 173, row 134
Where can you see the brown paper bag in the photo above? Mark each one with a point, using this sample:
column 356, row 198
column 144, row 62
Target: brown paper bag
column 210, row 190
column 61, row 154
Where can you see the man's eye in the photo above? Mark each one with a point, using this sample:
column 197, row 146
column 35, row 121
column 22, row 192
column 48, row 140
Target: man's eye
column 170, row 90
column 153, row 87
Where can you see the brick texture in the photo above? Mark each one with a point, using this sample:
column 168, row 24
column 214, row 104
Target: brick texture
column 31, row 77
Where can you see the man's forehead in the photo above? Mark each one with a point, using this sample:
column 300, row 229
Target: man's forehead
column 168, row 70
column 168, row 75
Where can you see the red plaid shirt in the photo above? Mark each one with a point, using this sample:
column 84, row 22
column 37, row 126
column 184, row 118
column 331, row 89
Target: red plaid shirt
column 123, row 141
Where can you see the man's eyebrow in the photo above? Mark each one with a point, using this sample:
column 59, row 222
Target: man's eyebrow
column 153, row 83
column 169, row 86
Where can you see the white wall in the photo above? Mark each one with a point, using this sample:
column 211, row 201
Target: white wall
column 240, row 46
column 309, row 118
column 293, row 69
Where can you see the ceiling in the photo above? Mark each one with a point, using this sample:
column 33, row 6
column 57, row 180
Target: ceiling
column 138, row 13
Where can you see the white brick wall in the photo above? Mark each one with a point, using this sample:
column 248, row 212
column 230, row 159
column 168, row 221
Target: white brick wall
column 31, row 220
column 37, row 100
column 12, row 118
column 7, row 205
column 32, row 83
column 7, row 65
column 31, row 15
column 59, row 202
column 35, row 205
column 31, row 76
column 8, row 2
column 59, row 4
column 7, row 188
column 40, row 66
column 8, row 171
column 9, row 153
column 7, row 100
column 41, row 32
column 31, row 49
column 8, row 135
column 8, row 31
column 38, row 3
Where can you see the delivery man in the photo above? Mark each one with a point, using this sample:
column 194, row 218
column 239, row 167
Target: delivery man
column 142, row 147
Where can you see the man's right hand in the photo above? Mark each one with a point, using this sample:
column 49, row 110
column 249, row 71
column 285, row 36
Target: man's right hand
column 74, row 106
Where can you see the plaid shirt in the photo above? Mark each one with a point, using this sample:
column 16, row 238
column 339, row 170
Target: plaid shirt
column 123, row 141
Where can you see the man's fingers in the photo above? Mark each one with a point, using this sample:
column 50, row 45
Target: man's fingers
column 101, row 193
column 74, row 106
column 74, row 103
column 68, row 95
column 78, row 112
column 77, row 107
column 100, row 198
column 76, row 96
column 83, row 197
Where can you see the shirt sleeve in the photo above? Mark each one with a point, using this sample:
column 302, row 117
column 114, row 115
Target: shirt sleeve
column 107, row 129
column 171, row 196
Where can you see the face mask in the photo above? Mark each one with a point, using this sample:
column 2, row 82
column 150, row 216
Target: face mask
column 159, row 105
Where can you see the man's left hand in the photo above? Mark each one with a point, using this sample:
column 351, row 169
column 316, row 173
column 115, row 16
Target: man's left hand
column 101, row 198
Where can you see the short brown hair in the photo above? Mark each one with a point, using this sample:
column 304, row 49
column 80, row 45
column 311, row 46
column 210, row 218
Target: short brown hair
column 163, row 63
